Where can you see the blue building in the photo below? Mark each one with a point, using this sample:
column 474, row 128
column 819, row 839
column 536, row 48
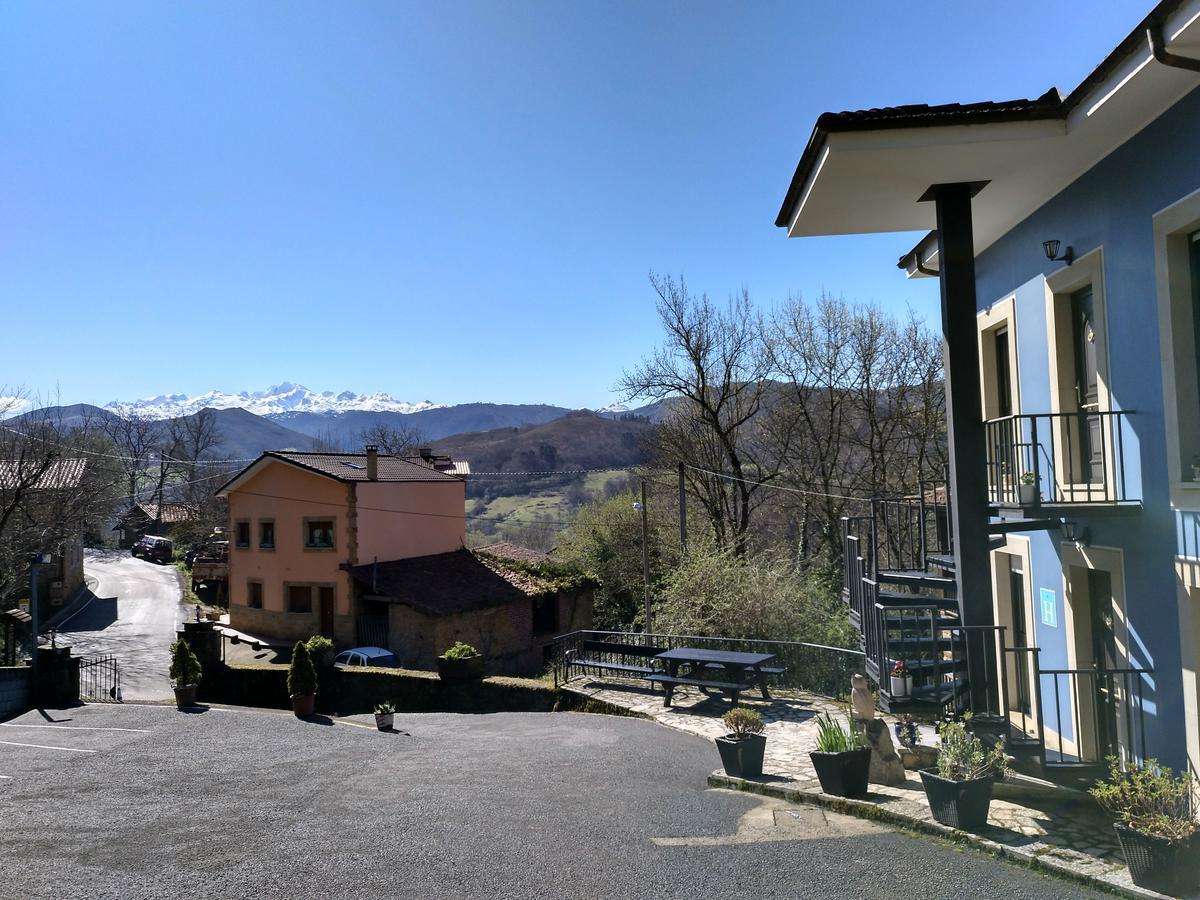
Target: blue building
column 1051, row 583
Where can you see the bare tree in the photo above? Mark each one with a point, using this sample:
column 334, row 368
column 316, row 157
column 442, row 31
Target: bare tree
column 399, row 439
column 134, row 437
column 714, row 366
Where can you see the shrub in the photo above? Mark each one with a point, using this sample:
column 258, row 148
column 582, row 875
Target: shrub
column 185, row 668
column 318, row 644
column 302, row 677
column 461, row 651
column 1149, row 798
column 962, row 756
column 742, row 722
column 384, row 708
column 1028, row 478
column 833, row 738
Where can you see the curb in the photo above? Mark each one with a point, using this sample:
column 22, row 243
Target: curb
column 864, row 809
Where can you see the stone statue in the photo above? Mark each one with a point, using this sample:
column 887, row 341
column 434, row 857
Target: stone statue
column 886, row 767
column 861, row 700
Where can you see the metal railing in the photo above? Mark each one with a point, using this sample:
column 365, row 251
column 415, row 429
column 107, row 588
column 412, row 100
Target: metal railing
column 1072, row 458
column 815, row 668
column 1097, row 713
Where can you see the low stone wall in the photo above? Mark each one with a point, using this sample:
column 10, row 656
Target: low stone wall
column 16, row 695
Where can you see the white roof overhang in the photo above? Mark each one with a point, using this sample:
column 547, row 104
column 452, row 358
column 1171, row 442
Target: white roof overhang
column 870, row 180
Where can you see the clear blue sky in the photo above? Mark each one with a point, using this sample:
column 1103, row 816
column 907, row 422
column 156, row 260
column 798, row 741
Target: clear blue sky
column 445, row 201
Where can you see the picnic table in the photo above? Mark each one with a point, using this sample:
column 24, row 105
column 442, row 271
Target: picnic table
column 736, row 671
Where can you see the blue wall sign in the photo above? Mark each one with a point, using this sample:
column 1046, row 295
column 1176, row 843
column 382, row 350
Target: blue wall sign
column 1049, row 609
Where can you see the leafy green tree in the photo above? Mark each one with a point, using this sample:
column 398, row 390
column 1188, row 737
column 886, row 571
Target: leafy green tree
column 302, row 676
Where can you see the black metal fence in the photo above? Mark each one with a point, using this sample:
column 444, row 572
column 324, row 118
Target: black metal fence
column 99, row 679
column 808, row 667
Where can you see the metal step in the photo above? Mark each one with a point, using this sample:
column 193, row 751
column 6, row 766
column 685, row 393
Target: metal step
column 916, row 578
column 941, row 560
column 895, row 623
column 902, row 599
column 920, row 643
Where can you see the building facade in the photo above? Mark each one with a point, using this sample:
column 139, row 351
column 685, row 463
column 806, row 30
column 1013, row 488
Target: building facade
column 1061, row 583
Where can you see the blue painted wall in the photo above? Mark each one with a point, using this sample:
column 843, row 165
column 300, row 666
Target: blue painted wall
column 1112, row 206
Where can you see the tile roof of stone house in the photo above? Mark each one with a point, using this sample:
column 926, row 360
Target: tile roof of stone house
column 168, row 513
column 448, row 583
column 509, row 550
column 59, row 475
column 349, row 467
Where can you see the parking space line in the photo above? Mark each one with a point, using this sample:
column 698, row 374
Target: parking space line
column 6, row 777
column 45, row 747
column 76, row 727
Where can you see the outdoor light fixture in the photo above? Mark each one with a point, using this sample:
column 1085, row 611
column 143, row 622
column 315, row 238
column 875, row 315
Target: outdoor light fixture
column 1051, row 248
column 1081, row 537
column 1068, row 530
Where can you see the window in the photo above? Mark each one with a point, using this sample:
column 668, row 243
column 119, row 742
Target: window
column 266, row 534
column 545, row 615
column 254, row 594
column 299, row 598
column 318, row 534
column 241, row 534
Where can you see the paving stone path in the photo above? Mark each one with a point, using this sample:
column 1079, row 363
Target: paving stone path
column 1064, row 828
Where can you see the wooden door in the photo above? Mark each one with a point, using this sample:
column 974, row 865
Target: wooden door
column 1104, row 658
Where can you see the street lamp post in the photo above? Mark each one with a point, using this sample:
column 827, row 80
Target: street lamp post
column 641, row 507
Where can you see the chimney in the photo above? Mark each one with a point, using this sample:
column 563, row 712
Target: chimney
column 372, row 462
column 426, row 453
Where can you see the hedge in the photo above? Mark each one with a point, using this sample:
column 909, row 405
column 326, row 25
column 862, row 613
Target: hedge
column 351, row 691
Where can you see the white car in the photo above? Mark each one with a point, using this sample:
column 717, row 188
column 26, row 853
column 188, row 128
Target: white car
column 366, row 656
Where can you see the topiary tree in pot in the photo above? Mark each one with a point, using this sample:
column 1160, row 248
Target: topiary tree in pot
column 302, row 681
column 320, row 648
column 1155, row 813
column 185, row 673
column 960, row 789
column 743, row 747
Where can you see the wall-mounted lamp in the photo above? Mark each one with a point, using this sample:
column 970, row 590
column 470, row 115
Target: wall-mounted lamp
column 1051, row 248
column 1080, row 536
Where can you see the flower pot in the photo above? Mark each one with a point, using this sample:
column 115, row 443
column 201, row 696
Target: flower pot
column 959, row 804
column 742, row 757
column 185, row 696
column 466, row 669
column 1169, row 867
column 303, row 704
column 1027, row 494
column 383, row 721
column 901, row 685
column 906, row 733
column 843, row 774
column 1195, row 472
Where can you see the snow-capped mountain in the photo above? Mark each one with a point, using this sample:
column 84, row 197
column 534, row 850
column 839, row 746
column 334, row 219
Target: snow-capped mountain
column 614, row 408
column 275, row 400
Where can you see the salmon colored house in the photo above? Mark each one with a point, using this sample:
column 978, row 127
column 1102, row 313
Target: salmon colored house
column 299, row 521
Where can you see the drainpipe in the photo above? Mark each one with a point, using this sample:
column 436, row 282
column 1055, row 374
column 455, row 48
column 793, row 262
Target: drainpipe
column 1158, row 46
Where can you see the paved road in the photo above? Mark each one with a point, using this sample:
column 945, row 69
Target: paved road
column 134, row 614
column 236, row 803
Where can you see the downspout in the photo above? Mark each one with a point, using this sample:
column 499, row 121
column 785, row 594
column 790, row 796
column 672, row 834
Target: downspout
column 1158, row 47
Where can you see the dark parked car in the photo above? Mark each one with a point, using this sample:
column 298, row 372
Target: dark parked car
column 155, row 549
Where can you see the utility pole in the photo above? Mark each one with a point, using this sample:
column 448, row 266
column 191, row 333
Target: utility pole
column 645, row 558
column 682, row 513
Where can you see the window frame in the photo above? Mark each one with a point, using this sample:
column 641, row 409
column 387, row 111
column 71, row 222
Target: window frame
column 237, row 534
column 319, row 548
column 261, row 544
column 254, row 583
column 288, row 587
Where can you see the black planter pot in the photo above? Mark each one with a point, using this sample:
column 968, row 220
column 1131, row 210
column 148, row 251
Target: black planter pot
column 742, row 758
column 1158, row 864
column 467, row 669
column 959, row 804
column 843, row 774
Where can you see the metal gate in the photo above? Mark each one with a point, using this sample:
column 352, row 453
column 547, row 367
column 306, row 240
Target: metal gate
column 99, row 679
column 371, row 630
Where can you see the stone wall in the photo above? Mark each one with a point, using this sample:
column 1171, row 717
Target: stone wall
column 274, row 625
column 15, row 693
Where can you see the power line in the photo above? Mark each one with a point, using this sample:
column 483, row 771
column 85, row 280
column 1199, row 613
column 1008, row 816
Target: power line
column 778, row 487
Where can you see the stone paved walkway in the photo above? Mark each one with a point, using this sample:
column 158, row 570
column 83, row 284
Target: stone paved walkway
column 1059, row 828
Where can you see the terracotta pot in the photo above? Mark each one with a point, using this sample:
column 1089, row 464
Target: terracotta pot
column 303, row 704
column 185, row 696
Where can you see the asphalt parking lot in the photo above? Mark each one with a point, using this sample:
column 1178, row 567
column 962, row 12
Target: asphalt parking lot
column 146, row 801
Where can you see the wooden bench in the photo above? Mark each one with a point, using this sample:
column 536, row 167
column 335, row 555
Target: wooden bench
column 731, row 689
column 590, row 656
column 763, row 672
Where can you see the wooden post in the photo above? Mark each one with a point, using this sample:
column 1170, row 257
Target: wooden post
column 682, row 513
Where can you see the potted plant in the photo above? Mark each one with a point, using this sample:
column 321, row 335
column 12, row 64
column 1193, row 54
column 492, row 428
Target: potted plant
column 960, row 789
column 841, row 759
column 1196, row 468
column 185, row 673
column 384, row 713
column 901, row 680
column 743, row 747
column 461, row 662
column 302, row 681
column 1155, row 824
column 906, row 731
column 1027, row 490
column 320, row 648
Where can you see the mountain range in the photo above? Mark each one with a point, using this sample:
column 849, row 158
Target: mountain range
column 278, row 399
